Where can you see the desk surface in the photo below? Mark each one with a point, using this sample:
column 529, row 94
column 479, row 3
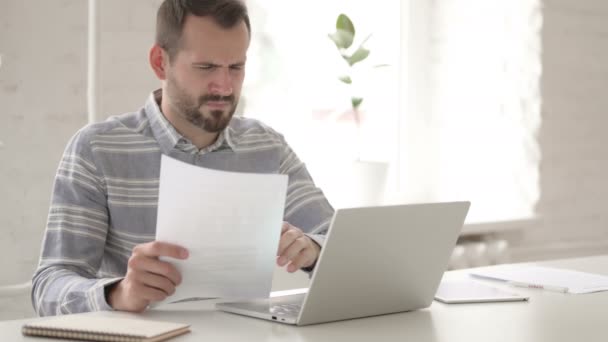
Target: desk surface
column 548, row 316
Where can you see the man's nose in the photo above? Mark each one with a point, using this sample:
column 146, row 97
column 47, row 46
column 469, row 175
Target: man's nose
column 221, row 83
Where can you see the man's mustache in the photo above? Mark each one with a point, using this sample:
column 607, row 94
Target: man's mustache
column 206, row 98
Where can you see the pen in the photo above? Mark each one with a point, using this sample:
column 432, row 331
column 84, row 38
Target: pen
column 538, row 286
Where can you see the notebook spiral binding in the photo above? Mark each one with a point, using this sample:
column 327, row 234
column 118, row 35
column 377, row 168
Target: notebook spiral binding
column 89, row 335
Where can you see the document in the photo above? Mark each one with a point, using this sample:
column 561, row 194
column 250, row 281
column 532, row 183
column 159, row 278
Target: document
column 470, row 291
column 552, row 279
column 230, row 223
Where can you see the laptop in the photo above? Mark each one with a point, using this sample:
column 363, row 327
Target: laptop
column 375, row 261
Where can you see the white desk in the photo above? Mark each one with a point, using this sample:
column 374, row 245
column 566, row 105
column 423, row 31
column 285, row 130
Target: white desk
column 549, row 316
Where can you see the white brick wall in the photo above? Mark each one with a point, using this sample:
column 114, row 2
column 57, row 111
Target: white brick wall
column 126, row 35
column 43, row 96
column 573, row 139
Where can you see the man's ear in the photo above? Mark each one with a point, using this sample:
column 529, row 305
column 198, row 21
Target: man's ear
column 159, row 60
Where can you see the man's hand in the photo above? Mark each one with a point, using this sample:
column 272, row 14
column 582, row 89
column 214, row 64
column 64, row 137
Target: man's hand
column 296, row 249
column 148, row 279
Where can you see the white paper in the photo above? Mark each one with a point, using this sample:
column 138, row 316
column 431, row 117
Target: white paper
column 230, row 223
column 575, row 282
column 469, row 291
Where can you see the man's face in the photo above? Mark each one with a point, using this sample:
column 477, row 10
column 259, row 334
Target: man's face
column 205, row 76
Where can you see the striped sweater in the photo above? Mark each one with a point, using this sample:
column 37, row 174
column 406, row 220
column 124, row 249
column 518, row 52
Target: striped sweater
column 105, row 198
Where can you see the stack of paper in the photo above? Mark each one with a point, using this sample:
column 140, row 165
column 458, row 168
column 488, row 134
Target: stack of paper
column 545, row 278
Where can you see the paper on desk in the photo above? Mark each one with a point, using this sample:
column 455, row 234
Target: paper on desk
column 576, row 282
column 230, row 223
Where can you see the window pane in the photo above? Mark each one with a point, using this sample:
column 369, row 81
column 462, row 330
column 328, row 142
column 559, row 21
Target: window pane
column 486, row 105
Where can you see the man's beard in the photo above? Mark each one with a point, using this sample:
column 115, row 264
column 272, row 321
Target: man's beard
column 211, row 121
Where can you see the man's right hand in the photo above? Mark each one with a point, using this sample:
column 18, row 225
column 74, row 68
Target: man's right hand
column 148, row 279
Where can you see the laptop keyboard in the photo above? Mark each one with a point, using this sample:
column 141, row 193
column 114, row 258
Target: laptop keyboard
column 285, row 309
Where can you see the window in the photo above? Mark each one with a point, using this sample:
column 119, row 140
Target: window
column 486, row 105
column 292, row 84
column 293, row 69
column 455, row 115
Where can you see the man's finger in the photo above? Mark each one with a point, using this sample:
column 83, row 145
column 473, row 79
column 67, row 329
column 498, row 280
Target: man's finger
column 151, row 294
column 162, row 268
column 304, row 259
column 288, row 238
column 158, row 282
column 158, row 248
column 137, row 291
column 293, row 250
column 285, row 227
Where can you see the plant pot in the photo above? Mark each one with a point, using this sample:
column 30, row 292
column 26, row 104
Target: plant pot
column 353, row 184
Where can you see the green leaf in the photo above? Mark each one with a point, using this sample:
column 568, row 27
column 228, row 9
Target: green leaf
column 356, row 101
column 344, row 23
column 345, row 32
column 346, row 79
column 357, row 56
column 342, row 39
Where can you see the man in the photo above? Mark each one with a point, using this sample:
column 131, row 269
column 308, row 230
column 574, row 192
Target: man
column 98, row 252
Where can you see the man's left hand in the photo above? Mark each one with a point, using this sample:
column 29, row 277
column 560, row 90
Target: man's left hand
column 296, row 249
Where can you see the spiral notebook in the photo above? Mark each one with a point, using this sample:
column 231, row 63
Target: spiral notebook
column 110, row 329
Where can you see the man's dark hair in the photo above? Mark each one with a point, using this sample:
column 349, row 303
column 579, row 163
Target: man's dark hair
column 172, row 15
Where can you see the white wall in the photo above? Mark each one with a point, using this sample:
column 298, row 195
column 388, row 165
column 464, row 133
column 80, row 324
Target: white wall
column 43, row 91
column 573, row 139
column 43, row 100
column 126, row 35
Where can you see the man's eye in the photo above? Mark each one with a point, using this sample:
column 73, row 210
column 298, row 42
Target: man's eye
column 205, row 67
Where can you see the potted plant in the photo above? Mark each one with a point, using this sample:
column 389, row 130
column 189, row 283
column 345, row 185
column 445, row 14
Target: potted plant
column 343, row 38
column 357, row 183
